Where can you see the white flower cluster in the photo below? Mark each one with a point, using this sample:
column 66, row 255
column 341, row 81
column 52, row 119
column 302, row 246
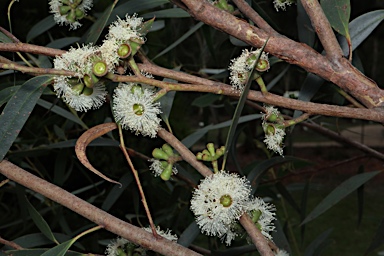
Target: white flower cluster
column 274, row 132
column 241, row 66
column 68, row 12
column 72, row 90
column 280, row 4
column 157, row 167
column 134, row 108
column 122, row 246
column 221, row 199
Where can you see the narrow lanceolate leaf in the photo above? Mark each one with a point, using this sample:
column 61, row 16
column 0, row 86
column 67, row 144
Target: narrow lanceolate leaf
column 361, row 27
column 377, row 240
column 88, row 137
column 40, row 222
column 339, row 193
column 18, row 109
column 239, row 109
column 338, row 13
column 96, row 29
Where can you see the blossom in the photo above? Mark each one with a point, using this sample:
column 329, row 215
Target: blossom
column 72, row 90
column 134, row 108
column 157, row 167
column 280, row 4
column 274, row 132
column 281, row 253
column 264, row 213
column 241, row 66
column 218, row 202
column 68, row 12
column 166, row 234
column 113, row 248
column 123, row 30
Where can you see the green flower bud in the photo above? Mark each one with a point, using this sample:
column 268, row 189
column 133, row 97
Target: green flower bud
column 124, row 51
column 168, row 149
column 270, row 129
column 120, row 252
column 100, row 68
column 79, row 14
column 166, row 174
column 90, row 80
column 211, row 149
column 135, row 44
column 207, row 157
column 199, row 156
column 272, row 118
column 256, row 215
column 78, row 88
column 87, row 91
column 159, row 154
column 226, row 200
column 64, row 9
column 137, row 89
column 71, row 17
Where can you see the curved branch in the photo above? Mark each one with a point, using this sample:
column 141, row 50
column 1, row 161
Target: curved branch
column 30, row 48
column 94, row 214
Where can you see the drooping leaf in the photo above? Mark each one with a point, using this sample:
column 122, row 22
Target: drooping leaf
column 61, row 112
column 41, row 27
column 40, row 222
column 239, row 107
column 338, row 13
column 287, row 196
column 63, row 42
column 339, row 193
column 38, row 252
column 360, row 198
column 18, row 109
column 317, row 245
column 59, row 250
column 7, row 93
column 205, row 100
column 181, row 39
column 85, row 139
column 4, row 38
column 166, row 101
column 167, row 13
column 189, row 234
column 361, row 27
column 194, row 137
column 96, row 29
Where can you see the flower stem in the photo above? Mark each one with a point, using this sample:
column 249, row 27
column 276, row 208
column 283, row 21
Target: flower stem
column 136, row 175
column 261, row 83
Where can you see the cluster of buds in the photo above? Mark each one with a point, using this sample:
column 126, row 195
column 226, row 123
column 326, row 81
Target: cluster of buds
column 211, row 155
column 69, row 12
column 223, row 4
column 242, row 66
column 274, row 129
column 164, row 161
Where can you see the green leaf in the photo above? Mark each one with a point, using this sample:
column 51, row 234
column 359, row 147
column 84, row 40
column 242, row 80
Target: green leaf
column 167, row 13
column 317, row 245
column 339, row 193
column 181, row 39
column 338, row 13
column 37, row 252
column 135, row 6
column 61, row 112
column 205, row 100
column 189, row 234
column 167, row 100
column 304, row 26
column 59, row 250
column 96, row 29
column 116, row 191
column 361, row 27
column 41, row 27
column 63, row 42
column 239, row 108
column 4, row 38
column 40, row 222
column 7, row 93
column 18, row 109
column 194, row 137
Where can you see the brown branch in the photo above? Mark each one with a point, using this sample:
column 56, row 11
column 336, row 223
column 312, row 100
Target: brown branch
column 10, row 35
column 94, row 214
column 324, row 30
column 30, row 48
column 10, row 244
column 254, row 16
column 309, row 107
column 36, row 71
column 348, row 77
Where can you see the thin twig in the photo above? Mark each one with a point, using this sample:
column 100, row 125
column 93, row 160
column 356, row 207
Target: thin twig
column 136, row 175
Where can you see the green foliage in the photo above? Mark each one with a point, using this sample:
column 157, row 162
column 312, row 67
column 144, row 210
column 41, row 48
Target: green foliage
column 38, row 132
